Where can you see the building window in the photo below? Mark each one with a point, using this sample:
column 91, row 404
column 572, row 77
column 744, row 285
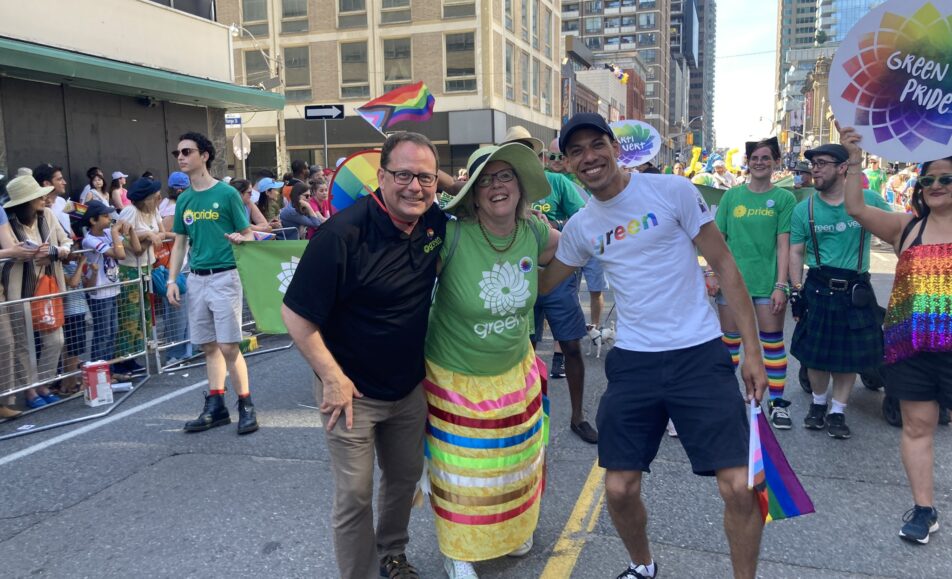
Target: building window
column 594, row 42
column 508, row 10
column 612, row 3
column 647, row 21
column 351, row 13
column 628, row 21
column 353, row 70
column 646, row 39
column 535, row 24
column 297, row 73
column 254, row 17
column 293, row 16
column 536, row 74
column 547, row 32
column 459, row 8
column 524, row 73
column 461, row 62
column 524, row 19
column 647, row 4
column 256, row 68
column 510, row 71
column 396, row 63
column 649, row 56
column 546, row 91
column 612, row 22
column 594, row 7
column 392, row 11
column 569, row 8
column 570, row 26
column 593, row 25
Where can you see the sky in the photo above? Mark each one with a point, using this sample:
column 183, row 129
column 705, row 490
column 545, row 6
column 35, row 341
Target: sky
column 745, row 70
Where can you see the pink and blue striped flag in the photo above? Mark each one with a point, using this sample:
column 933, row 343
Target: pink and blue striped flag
column 779, row 492
column 413, row 102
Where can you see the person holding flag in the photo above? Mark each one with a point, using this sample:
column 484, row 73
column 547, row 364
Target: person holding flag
column 918, row 324
column 209, row 216
column 667, row 362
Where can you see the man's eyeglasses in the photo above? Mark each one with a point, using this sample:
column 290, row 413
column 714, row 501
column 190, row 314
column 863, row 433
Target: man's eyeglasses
column 184, row 151
column 406, row 177
column 486, row 179
column 821, row 164
column 929, row 180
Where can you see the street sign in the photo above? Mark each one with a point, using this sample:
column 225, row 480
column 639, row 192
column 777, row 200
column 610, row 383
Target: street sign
column 232, row 120
column 324, row 112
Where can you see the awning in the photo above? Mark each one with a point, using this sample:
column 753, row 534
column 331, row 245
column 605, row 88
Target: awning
column 36, row 62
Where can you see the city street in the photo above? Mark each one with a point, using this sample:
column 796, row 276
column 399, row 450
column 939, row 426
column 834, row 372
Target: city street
column 132, row 495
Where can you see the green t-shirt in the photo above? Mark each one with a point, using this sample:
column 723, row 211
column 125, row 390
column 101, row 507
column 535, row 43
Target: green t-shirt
column 481, row 318
column 751, row 223
column 877, row 177
column 836, row 232
column 563, row 202
column 206, row 217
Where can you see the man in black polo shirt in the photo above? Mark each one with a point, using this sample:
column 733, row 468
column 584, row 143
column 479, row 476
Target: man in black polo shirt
column 357, row 310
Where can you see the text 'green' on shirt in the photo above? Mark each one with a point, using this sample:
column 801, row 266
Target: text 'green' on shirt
column 480, row 320
column 206, row 217
column 751, row 223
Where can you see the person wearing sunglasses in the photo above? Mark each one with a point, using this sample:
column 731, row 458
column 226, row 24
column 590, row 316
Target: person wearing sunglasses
column 298, row 217
column 209, row 217
column 838, row 331
column 918, row 325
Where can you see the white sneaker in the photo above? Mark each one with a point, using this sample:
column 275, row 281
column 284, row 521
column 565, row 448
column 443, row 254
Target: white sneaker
column 459, row 569
column 671, row 431
column 523, row 550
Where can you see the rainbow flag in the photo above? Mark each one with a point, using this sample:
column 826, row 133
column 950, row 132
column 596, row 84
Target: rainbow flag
column 356, row 177
column 407, row 103
column 78, row 211
column 264, row 236
column 779, row 492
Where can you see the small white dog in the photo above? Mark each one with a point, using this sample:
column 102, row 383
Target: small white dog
column 599, row 337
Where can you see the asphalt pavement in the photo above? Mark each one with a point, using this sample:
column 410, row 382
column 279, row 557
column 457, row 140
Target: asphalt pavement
column 132, row 495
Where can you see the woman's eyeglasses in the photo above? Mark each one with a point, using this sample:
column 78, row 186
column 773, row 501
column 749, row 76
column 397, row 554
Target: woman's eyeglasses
column 486, row 180
column 929, row 180
column 184, row 151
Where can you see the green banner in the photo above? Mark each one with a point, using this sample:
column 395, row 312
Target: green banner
column 713, row 196
column 266, row 269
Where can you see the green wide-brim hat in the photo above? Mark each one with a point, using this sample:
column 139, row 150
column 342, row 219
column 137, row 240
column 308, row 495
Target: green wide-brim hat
column 524, row 162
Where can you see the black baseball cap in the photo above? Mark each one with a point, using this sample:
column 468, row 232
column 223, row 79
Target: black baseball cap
column 592, row 121
column 838, row 152
column 94, row 209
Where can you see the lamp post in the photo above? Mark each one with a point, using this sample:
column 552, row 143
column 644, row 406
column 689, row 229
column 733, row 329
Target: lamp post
column 275, row 70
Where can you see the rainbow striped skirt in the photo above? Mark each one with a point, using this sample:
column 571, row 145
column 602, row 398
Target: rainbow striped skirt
column 485, row 450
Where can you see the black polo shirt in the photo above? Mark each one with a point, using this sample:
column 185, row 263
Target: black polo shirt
column 367, row 285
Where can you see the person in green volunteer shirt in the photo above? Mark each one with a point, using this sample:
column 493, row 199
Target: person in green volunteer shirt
column 561, row 306
column 839, row 329
column 876, row 176
column 487, row 417
column 755, row 221
column 209, row 217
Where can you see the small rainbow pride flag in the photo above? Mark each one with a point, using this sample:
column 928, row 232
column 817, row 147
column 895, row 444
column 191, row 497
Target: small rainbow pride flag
column 779, row 492
column 79, row 210
column 264, row 236
column 407, row 103
column 356, row 177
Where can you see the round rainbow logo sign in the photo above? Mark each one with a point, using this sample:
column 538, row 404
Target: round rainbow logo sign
column 640, row 142
column 890, row 80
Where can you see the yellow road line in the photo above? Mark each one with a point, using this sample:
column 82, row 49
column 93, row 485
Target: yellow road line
column 584, row 516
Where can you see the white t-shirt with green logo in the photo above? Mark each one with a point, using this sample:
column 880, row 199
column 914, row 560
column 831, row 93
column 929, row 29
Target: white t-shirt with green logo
column 481, row 317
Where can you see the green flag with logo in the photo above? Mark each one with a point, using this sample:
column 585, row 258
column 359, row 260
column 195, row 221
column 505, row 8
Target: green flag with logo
column 266, row 269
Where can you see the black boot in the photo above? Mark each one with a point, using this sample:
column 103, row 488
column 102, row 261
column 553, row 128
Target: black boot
column 247, row 420
column 214, row 414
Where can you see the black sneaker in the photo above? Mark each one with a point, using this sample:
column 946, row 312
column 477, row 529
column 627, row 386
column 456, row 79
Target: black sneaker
column 397, row 567
column 630, row 573
column 836, row 426
column 920, row 522
column 779, row 415
column 816, row 417
column 557, row 370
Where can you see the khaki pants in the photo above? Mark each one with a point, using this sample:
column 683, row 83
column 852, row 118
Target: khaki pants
column 394, row 432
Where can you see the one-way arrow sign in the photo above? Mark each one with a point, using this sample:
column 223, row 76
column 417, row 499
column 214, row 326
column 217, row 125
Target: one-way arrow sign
column 323, row 112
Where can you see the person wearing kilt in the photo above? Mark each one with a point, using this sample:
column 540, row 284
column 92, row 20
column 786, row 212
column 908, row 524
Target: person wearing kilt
column 487, row 419
column 839, row 324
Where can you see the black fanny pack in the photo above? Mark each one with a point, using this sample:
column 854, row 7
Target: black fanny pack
column 855, row 283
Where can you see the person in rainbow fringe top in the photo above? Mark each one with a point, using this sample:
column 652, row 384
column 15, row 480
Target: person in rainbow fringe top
column 918, row 325
column 487, row 421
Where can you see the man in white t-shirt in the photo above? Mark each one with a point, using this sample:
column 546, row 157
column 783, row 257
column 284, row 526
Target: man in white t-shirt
column 668, row 360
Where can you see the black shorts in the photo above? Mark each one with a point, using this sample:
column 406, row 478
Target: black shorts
column 696, row 387
column 74, row 334
column 924, row 377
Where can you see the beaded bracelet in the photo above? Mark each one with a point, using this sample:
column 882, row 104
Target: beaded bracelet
column 709, row 273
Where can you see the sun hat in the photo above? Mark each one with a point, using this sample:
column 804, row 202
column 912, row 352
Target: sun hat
column 526, row 164
column 142, row 188
column 179, row 180
column 24, row 189
column 593, row 121
column 519, row 134
column 118, row 175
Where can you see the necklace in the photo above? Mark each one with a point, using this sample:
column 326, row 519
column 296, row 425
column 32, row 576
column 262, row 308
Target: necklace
column 512, row 237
